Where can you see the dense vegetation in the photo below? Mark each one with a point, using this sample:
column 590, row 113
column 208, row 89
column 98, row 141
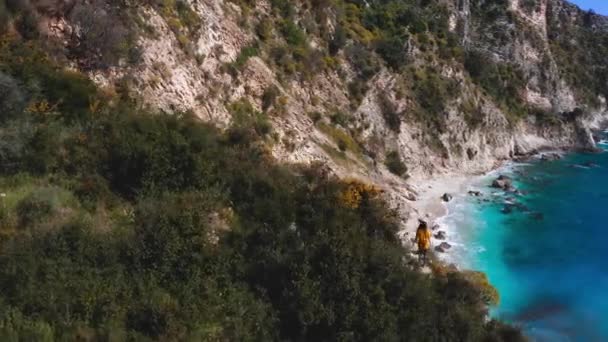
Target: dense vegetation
column 581, row 51
column 118, row 224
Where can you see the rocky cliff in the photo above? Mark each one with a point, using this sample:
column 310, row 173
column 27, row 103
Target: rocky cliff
column 391, row 92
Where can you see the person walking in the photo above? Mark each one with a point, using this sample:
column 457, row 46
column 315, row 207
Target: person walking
column 423, row 239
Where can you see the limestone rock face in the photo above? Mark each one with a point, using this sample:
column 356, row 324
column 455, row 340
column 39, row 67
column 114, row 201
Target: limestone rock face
column 171, row 78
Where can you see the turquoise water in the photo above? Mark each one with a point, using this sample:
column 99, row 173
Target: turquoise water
column 548, row 257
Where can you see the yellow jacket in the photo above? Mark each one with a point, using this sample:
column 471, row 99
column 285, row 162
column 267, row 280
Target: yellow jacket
column 423, row 237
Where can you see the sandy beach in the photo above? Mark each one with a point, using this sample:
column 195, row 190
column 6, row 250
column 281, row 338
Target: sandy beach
column 429, row 204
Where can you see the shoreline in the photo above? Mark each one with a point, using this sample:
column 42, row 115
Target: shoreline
column 429, row 204
column 431, row 207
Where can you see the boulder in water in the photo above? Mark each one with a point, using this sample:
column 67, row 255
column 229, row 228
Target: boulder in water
column 537, row 216
column 446, row 197
column 503, row 182
column 507, row 209
column 475, row 193
column 550, row 156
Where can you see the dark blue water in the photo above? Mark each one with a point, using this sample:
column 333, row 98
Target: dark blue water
column 549, row 256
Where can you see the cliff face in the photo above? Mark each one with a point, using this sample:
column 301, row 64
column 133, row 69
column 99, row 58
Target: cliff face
column 449, row 86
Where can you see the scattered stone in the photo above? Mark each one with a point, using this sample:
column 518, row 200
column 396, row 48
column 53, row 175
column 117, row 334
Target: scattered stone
column 509, row 207
column 435, row 227
column 446, row 197
column 443, row 247
column 410, row 197
column 440, row 235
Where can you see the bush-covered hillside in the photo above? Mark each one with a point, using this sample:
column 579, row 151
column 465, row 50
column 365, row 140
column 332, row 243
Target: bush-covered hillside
column 120, row 224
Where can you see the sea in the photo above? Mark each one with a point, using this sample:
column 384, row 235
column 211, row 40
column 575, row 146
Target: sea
column 544, row 247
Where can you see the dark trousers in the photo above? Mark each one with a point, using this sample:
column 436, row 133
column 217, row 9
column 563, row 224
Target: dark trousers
column 422, row 256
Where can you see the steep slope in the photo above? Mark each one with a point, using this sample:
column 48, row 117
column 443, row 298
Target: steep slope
column 435, row 86
column 119, row 222
column 123, row 224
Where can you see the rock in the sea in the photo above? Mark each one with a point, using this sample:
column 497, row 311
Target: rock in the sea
column 475, row 193
column 440, row 235
column 503, row 182
column 550, row 156
column 537, row 216
column 446, row 197
column 509, row 207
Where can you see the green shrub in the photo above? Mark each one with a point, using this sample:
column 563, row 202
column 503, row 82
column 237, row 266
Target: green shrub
column 363, row 61
column 342, row 138
column 284, row 7
column 188, row 17
column 389, row 113
column 432, row 91
column 40, row 205
column 292, row 33
column 245, row 117
column 504, row 82
column 394, row 163
column 27, row 24
column 103, row 37
column 244, row 55
column 269, row 97
column 5, row 18
column 265, row 29
column 338, row 41
column 12, row 98
column 340, row 118
column 473, row 113
column 315, row 117
column 392, row 50
column 529, row 5
column 14, row 326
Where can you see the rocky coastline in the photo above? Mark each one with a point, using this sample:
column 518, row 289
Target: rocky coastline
column 436, row 194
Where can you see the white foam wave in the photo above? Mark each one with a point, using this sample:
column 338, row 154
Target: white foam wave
column 578, row 166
